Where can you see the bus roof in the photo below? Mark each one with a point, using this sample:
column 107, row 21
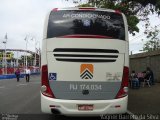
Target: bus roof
column 87, row 8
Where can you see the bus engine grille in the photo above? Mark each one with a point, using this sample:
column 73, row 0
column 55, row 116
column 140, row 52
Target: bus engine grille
column 85, row 55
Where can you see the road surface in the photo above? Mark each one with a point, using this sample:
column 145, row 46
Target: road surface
column 21, row 100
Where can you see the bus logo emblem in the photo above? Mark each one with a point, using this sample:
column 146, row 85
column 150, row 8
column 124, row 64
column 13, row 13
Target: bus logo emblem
column 86, row 71
column 86, row 23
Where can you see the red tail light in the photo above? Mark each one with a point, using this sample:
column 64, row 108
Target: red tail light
column 118, row 11
column 55, row 9
column 124, row 85
column 45, row 88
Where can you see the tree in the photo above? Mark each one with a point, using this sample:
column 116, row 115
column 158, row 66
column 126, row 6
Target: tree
column 135, row 10
column 153, row 42
column 30, row 59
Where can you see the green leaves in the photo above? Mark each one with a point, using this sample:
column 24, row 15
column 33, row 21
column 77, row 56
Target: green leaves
column 153, row 40
column 135, row 10
column 132, row 23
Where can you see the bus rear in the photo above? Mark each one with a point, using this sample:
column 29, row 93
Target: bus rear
column 85, row 62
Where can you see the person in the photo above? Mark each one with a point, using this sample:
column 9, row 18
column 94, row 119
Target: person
column 140, row 76
column 28, row 72
column 134, row 80
column 17, row 73
column 150, row 74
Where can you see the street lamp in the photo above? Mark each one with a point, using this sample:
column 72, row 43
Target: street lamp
column 4, row 56
column 35, row 43
column 39, row 53
column 25, row 57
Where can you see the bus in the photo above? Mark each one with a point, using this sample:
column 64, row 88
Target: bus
column 84, row 62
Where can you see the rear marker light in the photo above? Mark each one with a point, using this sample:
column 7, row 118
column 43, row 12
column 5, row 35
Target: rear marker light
column 55, row 9
column 117, row 106
column 54, row 106
column 117, row 11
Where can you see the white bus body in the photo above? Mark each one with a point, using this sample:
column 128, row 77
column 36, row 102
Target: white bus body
column 84, row 62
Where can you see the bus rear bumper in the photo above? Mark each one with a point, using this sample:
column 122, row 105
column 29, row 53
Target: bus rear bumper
column 70, row 107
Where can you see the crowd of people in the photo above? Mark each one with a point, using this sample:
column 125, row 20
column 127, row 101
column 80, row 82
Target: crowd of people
column 145, row 77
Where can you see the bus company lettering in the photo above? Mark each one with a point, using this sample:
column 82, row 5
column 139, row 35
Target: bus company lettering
column 92, row 87
column 80, row 15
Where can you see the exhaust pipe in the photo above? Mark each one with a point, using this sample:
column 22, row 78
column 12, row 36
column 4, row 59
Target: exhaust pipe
column 55, row 112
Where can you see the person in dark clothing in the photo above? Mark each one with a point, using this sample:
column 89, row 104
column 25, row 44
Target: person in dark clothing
column 17, row 73
column 150, row 74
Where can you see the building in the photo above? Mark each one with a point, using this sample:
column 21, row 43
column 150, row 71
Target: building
column 140, row 61
column 9, row 55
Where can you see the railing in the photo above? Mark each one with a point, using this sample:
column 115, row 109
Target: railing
column 12, row 70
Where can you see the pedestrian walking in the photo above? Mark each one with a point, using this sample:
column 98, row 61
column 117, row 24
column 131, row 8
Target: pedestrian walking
column 17, row 73
column 28, row 72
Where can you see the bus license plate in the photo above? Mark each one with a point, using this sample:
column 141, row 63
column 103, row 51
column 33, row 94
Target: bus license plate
column 85, row 107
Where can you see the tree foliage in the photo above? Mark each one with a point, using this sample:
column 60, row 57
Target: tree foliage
column 153, row 42
column 30, row 59
column 135, row 10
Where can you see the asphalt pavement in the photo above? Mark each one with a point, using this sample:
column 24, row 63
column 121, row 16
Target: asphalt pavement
column 145, row 100
column 23, row 99
column 20, row 97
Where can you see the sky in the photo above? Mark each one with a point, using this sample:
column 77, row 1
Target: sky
column 135, row 42
column 21, row 18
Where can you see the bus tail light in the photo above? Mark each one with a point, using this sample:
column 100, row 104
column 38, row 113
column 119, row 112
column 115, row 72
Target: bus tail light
column 45, row 88
column 124, row 85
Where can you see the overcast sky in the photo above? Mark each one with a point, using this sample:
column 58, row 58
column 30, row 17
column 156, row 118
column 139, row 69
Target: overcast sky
column 135, row 42
column 19, row 18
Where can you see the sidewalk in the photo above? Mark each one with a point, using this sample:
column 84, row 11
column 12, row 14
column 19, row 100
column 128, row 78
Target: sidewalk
column 145, row 100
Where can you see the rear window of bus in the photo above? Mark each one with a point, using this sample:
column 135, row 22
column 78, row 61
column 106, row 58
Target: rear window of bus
column 71, row 22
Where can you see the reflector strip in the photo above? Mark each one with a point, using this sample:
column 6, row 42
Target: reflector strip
column 87, row 8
